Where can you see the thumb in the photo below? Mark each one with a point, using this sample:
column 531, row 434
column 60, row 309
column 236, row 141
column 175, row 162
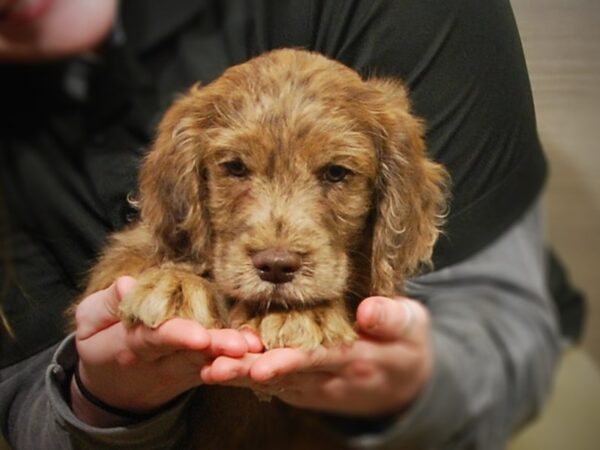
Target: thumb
column 123, row 285
column 100, row 310
column 392, row 319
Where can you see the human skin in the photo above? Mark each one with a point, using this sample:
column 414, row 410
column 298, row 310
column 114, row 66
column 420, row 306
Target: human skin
column 381, row 373
column 40, row 30
column 153, row 366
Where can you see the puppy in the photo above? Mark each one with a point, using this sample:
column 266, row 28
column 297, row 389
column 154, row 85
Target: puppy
column 276, row 198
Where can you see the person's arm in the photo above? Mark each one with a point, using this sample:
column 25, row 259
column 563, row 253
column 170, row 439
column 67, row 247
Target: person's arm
column 138, row 376
column 496, row 343
column 34, row 399
column 463, row 372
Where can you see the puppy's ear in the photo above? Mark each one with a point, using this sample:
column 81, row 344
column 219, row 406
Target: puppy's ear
column 172, row 192
column 411, row 192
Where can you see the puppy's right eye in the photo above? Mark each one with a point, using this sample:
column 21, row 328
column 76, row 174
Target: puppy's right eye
column 335, row 173
column 236, row 168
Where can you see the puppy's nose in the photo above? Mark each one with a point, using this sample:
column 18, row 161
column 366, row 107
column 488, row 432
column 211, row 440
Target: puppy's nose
column 276, row 266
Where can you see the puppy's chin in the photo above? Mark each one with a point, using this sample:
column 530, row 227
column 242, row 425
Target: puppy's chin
column 323, row 277
column 264, row 295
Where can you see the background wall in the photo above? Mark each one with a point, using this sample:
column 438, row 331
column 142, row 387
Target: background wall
column 561, row 39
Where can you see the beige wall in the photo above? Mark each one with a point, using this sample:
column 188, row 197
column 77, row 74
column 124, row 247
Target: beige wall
column 561, row 39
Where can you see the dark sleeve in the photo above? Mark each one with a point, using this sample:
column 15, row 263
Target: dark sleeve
column 25, row 408
column 60, row 202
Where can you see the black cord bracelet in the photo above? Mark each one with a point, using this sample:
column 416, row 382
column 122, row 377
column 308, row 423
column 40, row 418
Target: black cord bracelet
column 106, row 407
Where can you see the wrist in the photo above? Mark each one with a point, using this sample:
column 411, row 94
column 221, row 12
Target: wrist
column 96, row 412
column 92, row 414
column 133, row 400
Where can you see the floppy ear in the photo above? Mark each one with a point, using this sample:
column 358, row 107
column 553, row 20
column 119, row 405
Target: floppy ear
column 172, row 192
column 411, row 193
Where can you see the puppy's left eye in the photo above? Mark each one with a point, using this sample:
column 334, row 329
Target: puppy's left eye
column 335, row 173
column 236, row 168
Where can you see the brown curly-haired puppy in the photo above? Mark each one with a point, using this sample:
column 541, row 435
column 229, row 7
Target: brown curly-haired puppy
column 276, row 198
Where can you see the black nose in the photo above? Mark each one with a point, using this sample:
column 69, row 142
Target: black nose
column 276, row 266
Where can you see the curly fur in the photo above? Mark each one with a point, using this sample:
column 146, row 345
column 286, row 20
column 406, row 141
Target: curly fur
column 287, row 116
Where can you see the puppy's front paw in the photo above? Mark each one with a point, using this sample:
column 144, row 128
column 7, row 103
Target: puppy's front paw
column 164, row 293
column 306, row 329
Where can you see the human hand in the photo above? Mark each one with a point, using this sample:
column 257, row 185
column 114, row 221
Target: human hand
column 380, row 373
column 141, row 369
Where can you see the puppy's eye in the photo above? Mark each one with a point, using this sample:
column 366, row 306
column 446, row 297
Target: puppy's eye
column 335, row 173
column 236, row 168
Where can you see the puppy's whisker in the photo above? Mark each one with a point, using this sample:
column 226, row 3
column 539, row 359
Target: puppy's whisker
column 358, row 253
column 341, row 218
column 309, row 273
column 352, row 291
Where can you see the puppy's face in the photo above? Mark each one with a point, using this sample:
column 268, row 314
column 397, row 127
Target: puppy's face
column 290, row 184
column 282, row 169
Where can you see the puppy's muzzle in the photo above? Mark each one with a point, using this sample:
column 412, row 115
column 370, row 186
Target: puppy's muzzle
column 276, row 266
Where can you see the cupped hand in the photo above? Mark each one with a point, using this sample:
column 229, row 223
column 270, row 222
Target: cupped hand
column 380, row 373
column 141, row 369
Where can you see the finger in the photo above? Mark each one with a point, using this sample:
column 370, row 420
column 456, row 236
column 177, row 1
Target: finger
column 124, row 284
column 173, row 335
column 227, row 342
column 392, row 319
column 278, row 362
column 253, row 340
column 226, row 370
column 284, row 361
column 100, row 309
column 182, row 334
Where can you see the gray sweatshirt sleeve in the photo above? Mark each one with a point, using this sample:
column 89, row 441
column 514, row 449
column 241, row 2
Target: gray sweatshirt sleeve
column 36, row 414
column 496, row 343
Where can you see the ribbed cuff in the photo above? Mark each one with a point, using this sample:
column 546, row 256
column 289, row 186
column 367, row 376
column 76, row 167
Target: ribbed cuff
column 161, row 431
